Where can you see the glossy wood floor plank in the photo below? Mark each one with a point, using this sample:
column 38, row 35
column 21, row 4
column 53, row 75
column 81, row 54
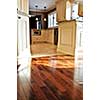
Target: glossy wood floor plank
column 54, row 82
column 38, row 93
column 49, row 78
column 21, row 95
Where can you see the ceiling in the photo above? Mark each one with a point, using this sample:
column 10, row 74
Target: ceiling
column 41, row 3
column 50, row 4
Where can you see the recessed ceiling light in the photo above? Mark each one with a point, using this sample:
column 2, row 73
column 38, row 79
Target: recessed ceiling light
column 44, row 7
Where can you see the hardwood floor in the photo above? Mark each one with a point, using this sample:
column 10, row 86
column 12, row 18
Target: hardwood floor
column 49, row 78
column 44, row 49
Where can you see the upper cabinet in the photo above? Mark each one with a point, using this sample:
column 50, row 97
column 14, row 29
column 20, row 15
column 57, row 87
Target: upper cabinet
column 80, row 10
column 61, row 10
column 22, row 5
column 68, row 10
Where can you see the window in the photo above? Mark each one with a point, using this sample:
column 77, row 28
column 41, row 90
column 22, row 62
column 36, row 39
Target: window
column 52, row 19
column 75, row 11
column 55, row 22
column 72, row 11
column 51, row 23
column 68, row 10
column 38, row 25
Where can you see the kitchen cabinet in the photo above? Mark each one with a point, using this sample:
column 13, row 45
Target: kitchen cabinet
column 68, row 10
column 39, row 38
column 80, row 10
column 50, row 36
column 47, row 35
column 64, row 9
column 67, row 37
column 61, row 10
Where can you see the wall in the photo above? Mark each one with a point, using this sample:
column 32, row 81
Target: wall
column 42, row 14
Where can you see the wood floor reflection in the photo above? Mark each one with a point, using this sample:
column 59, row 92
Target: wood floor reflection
column 49, row 78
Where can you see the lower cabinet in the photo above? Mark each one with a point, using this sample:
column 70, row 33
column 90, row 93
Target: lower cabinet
column 67, row 36
column 47, row 35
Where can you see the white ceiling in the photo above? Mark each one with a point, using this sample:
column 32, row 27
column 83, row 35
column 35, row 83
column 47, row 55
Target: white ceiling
column 41, row 3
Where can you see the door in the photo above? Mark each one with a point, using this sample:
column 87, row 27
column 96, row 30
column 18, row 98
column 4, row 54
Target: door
column 23, row 36
column 23, row 45
column 79, row 53
column 19, row 36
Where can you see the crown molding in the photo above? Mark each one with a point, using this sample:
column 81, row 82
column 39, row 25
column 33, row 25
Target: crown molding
column 22, row 13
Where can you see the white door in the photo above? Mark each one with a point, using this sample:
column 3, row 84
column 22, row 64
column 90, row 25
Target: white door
column 19, row 36
column 79, row 53
column 23, row 42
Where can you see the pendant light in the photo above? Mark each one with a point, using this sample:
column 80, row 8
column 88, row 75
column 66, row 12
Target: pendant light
column 36, row 13
column 45, row 10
